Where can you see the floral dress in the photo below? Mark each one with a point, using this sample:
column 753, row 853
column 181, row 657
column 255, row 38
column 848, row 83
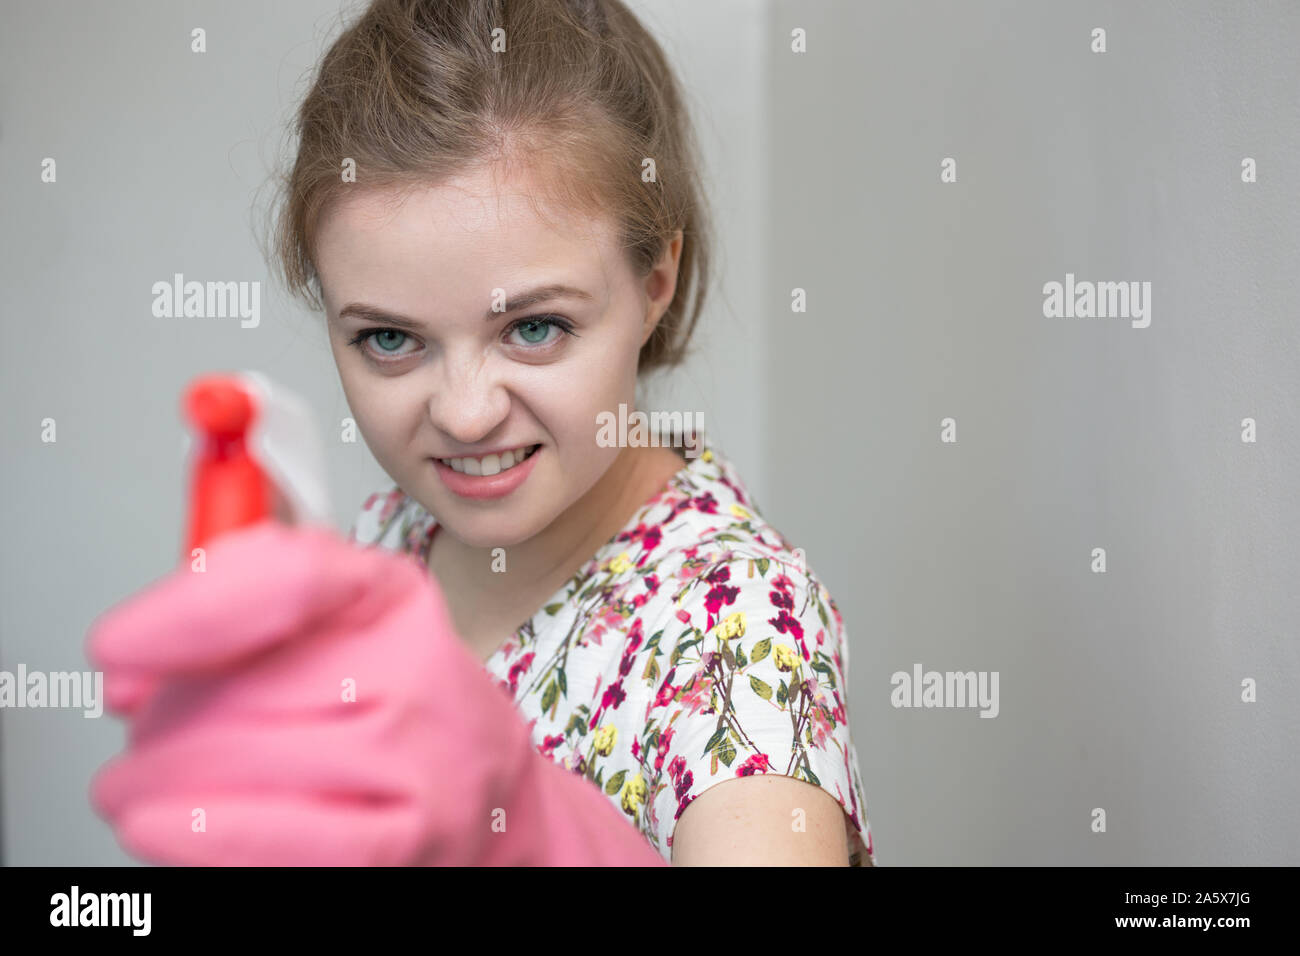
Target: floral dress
column 692, row 648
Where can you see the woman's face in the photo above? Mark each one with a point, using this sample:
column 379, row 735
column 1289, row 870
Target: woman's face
column 463, row 380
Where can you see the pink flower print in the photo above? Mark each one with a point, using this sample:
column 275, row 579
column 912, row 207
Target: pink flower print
column 650, row 542
column 820, row 725
column 784, row 623
column 706, row 503
column 699, row 694
column 666, row 690
column 634, row 638
column 519, row 667
column 839, row 713
column 613, row 696
column 719, row 574
column 685, row 786
column 676, row 767
column 665, row 743
column 781, row 599
column 755, row 764
column 684, row 616
column 719, row 595
column 391, row 502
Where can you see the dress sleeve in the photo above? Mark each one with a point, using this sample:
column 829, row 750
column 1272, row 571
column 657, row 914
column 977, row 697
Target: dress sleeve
column 386, row 519
column 754, row 682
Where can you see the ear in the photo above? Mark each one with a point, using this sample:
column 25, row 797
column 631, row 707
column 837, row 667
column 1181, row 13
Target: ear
column 661, row 285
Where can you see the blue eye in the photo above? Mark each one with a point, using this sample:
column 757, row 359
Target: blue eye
column 535, row 329
column 388, row 340
column 379, row 339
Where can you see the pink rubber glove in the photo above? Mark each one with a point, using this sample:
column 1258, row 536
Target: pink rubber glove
column 235, row 679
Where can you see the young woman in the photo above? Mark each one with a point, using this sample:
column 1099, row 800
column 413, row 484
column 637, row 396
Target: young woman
column 496, row 205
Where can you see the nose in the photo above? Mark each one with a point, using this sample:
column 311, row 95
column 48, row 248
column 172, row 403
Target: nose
column 469, row 398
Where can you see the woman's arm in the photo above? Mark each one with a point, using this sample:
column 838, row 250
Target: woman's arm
column 762, row 820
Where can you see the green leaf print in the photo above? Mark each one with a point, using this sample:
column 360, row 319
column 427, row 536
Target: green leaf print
column 762, row 649
column 821, row 611
column 681, row 649
column 551, row 609
column 615, row 783
column 720, row 733
column 782, row 693
column 761, row 688
column 726, row 752
column 549, row 698
column 762, row 566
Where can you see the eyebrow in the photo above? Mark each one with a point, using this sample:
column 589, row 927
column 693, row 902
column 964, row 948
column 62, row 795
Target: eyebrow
column 524, row 300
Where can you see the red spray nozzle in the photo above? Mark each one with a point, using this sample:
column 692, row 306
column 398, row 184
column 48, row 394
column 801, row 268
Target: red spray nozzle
column 219, row 406
column 229, row 489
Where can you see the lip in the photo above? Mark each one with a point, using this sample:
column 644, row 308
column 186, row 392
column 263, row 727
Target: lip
column 491, row 451
column 492, row 486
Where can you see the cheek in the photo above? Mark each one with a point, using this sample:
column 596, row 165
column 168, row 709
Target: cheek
column 381, row 416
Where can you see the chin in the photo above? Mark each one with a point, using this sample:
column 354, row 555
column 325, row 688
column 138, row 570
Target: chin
column 492, row 532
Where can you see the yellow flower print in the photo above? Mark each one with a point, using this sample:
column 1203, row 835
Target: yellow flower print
column 707, row 455
column 786, row 657
column 633, row 795
column 740, row 513
column 620, row 564
column 733, row 625
column 604, row 739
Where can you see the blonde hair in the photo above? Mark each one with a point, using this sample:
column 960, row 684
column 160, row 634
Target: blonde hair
column 415, row 94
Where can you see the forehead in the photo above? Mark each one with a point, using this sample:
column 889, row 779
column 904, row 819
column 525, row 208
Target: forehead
column 484, row 225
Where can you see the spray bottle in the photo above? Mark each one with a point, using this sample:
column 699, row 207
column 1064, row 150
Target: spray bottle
column 256, row 457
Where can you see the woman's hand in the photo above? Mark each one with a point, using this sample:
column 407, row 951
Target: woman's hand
column 302, row 701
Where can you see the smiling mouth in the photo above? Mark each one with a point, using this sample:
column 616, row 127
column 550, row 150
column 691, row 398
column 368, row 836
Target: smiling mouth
column 489, row 465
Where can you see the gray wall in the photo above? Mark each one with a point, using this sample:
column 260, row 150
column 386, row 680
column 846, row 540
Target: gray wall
column 1118, row 690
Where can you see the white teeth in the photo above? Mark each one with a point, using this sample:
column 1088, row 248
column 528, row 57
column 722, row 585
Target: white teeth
column 488, row 464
